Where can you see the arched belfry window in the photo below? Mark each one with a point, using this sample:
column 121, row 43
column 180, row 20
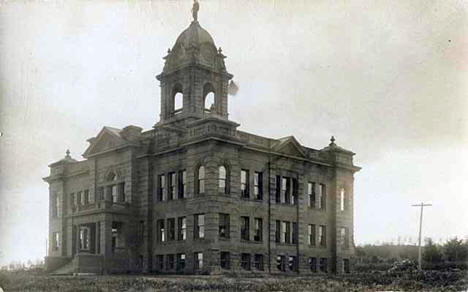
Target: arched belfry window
column 208, row 97
column 177, row 99
column 223, row 180
column 201, row 180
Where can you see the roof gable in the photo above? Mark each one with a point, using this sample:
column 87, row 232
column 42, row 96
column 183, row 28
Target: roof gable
column 108, row 138
column 289, row 146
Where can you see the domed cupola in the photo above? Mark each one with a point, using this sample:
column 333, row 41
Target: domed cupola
column 194, row 81
column 194, row 46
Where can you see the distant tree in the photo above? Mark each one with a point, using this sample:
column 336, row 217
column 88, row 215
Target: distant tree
column 455, row 250
column 432, row 253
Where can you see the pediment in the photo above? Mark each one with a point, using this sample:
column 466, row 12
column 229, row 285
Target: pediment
column 107, row 139
column 289, row 146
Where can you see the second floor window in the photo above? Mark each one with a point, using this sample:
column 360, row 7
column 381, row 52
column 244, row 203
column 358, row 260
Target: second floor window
column 172, row 184
column 56, row 205
column 311, row 194
column 258, row 229
column 161, row 231
column 199, row 224
column 201, row 180
column 222, row 180
column 342, row 200
column 245, row 228
column 244, row 183
column 311, row 234
column 182, row 228
column 258, row 185
column 171, row 229
column 322, row 234
column 224, row 225
column 161, row 187
column 294, row 233
column 182, row 187
column 322, row 196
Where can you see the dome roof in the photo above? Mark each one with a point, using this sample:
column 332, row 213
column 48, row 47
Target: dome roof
column 194, row 35
column 194, row 46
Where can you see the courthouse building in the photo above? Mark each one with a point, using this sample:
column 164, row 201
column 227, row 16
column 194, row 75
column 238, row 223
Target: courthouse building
column 197, row 195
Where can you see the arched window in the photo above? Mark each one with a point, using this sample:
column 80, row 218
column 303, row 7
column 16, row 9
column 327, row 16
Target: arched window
column 208, row 97
column 222, row 179
column 177, row 99
column 201, row 180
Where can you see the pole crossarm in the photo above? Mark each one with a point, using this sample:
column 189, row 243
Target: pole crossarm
column 422, row 205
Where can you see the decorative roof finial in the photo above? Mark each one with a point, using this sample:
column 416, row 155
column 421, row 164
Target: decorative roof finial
column 169, row 50
column 220, row 50
column 332, row 140
column 195, row 8
column 68, row 153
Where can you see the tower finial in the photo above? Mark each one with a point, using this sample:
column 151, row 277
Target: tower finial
column 195, row 8
column 332, row 140
column 68, row 153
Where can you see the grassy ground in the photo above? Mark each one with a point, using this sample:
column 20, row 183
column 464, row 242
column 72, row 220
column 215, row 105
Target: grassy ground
column 374, row 281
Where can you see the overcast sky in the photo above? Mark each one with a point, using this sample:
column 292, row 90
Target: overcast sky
column 387, row 78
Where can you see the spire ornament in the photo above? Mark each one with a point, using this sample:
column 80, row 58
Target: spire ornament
column 67, row 153
column 332, row 141
column 195, row 8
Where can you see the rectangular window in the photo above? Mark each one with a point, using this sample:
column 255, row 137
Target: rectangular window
column 281, row 263
column 199, row 225
column 171, row 186
column 114, row 193
column 258, row 185
column 245, row 222
column 56, row 240
column 171, row 229
column 182, row 187
column 244, row 183
column 322, row 196
column 323, row 265
column 258, row 222
column 285, row 190
column 225, row 260
column 344, row 237
column 169, row 262
column 224, row 225
column 56, row 205
column 160, row 262
column 71, row 201
column 283, row 232
column 278, row 189
column 84, row 238
column 161, row 233
column 292, row 263
column 86, row 197
column 288, row 232
column 342, row 199
column 121, row 192
column 161, row 187
column 100, row 194
column 180, row 262
column 313, row 264
column 294, row 233
column 182, row 228
column 198, row 260
column 322, row 235
column 78, row 198
column 258, row 262
column 311, row 234
column 295, row 189
column 278, row 231
column 245, row 261
column 141, row 230
column 311, row 194
column 346, row 268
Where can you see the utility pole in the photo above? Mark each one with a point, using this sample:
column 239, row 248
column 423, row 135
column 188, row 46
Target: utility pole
column 422, row 205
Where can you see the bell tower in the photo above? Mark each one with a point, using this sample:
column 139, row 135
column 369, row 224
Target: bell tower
column 194, row 74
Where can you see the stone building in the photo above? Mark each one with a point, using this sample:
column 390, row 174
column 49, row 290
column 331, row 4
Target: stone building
column 197, row 195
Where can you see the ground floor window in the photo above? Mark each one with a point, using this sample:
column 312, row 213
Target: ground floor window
column 84, row 237
column 313, row 264
column 258, row 262
column 159, row 262
column 169, row 262
column 180, row 261
column 281, row 263
column 346, row 268
column 56, row 240
column 198, row 260
column 245, row 261
column 293, row 263
column 225, row 260
column 324, row 265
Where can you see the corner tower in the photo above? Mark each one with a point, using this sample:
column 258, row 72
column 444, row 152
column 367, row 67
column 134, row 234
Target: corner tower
column 194, row 68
